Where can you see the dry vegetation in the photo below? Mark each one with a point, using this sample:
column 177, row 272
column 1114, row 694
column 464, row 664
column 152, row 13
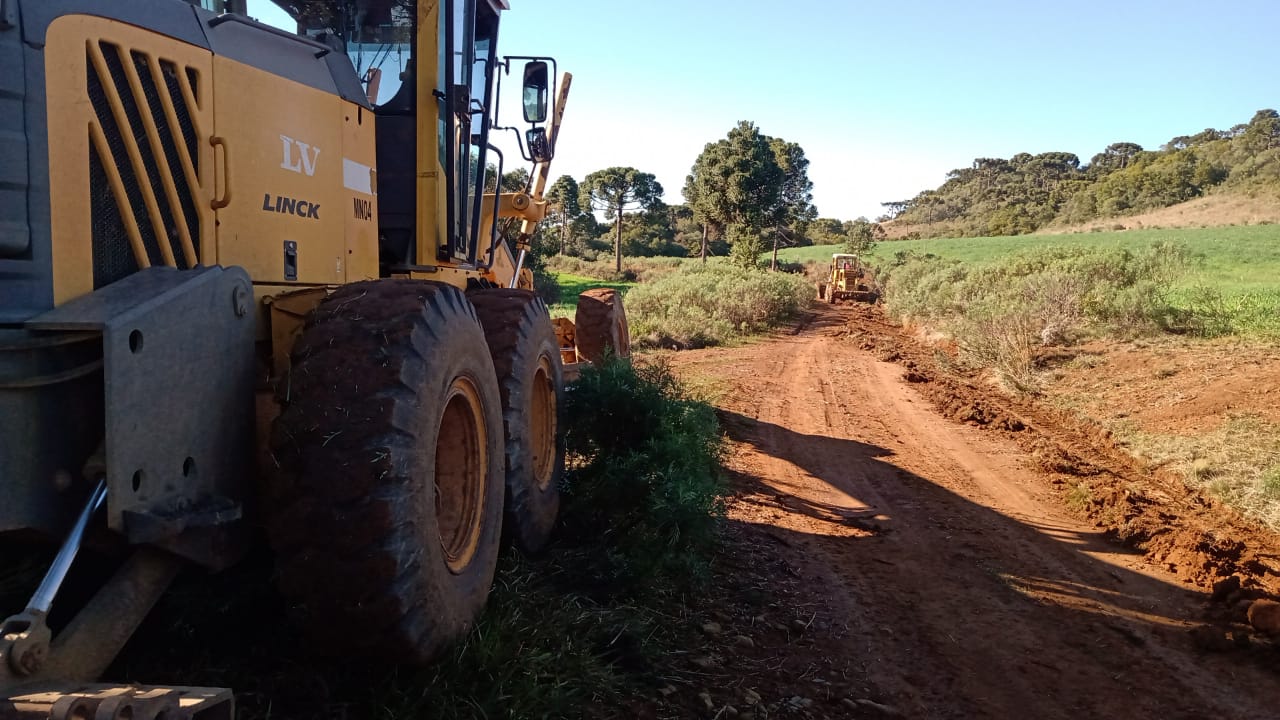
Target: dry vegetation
column 1237, row 462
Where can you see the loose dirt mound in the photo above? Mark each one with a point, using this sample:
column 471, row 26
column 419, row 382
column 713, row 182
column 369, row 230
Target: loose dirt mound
column 1168, row 385
column 1194, row 536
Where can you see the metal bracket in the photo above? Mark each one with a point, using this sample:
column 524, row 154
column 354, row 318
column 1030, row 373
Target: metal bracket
column 24, row 643
column 179, row 396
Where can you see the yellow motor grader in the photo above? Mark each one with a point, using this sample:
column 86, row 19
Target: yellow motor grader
column 848, row 279
column 242, row 286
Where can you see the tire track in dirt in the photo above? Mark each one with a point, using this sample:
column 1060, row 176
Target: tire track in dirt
column 962, row 587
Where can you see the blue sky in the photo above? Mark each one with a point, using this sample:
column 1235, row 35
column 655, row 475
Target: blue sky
column 884, row 97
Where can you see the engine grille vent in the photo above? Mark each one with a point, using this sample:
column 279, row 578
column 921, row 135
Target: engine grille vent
column 143, row 162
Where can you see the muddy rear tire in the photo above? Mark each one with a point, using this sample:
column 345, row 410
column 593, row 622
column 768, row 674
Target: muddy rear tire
column 386, row 512
column 601, row 323
column 526, row 356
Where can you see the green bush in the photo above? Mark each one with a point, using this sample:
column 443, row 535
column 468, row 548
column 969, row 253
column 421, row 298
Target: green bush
column 1001, row 312
column 745, row 247
column 700, row 306
column 643, row 495
column 1208, row 312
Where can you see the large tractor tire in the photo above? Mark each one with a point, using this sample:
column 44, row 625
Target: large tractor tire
column 386, row 510
column 526, row 357
column 601, row 324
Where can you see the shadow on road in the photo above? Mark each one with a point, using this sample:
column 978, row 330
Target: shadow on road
column 978, row 613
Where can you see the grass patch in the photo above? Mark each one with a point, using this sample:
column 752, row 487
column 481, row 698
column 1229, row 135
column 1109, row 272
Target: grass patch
column 538, row 651
column 1238, row 462
column 1080, row 497
column 634, row 269
column 698, row 307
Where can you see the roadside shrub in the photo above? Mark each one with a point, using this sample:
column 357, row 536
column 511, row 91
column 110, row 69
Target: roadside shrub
column 1208, row 312
column 1001, row 312
column 745, row 247
column 924, row 288
column 700, row 306
column 643, row 494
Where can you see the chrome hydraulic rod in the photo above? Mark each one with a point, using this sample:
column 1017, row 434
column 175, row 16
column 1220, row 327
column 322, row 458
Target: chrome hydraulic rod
column 42, row 600
column 515, row 278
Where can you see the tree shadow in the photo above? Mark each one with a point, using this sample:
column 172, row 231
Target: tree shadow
column 957, row 565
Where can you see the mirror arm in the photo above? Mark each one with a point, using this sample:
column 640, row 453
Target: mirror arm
column 519, row 140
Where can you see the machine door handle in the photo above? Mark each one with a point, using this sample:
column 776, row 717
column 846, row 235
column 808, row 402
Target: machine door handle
column 223, row 200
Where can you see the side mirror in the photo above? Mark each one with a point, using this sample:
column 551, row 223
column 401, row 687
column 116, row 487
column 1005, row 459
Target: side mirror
column 535, row 91
column 539, row 146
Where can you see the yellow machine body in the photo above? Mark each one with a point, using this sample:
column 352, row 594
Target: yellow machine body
column 848, row 279
column 281, row 179
column 183, row 189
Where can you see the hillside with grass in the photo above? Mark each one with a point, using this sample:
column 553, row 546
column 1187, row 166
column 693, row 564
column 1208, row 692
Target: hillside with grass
column 1025, row 193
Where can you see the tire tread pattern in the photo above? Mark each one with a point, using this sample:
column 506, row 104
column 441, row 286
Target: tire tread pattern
column 519, row 332
column 601, row 325
column 350, row 511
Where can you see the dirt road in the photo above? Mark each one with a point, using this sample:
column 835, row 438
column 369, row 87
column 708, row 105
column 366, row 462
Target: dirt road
column 951, row 576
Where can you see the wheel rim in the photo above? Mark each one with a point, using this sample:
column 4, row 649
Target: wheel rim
column 461, row 473
column 542, row 423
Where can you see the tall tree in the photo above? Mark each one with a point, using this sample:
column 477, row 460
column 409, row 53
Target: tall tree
column 515, row 180
column 861, row 236
column 1117, row 156
column 740, row 181
column 615, row 190
column 1264, row 130
column 795, row 209
column 563, row 207
column 512, row 181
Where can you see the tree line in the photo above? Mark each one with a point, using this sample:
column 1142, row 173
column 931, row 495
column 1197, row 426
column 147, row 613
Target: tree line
column 745, row 194
column 997, row 196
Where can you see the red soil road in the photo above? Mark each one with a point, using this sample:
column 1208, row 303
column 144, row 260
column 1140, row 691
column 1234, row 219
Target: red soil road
column 956, row 580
